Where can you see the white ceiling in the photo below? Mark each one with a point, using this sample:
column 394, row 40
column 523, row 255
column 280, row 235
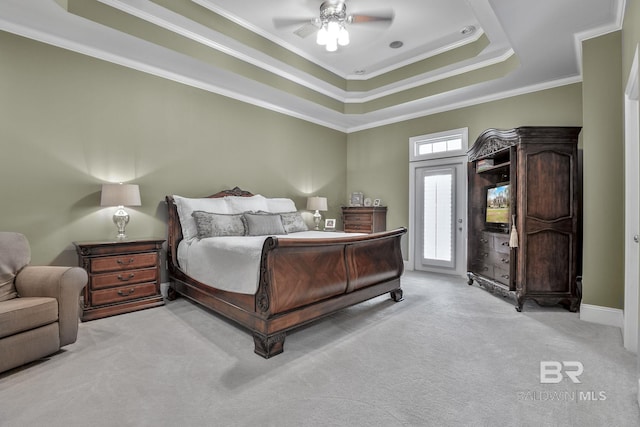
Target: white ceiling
column 544, row 35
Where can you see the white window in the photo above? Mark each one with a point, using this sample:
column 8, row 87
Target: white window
column 437, row 145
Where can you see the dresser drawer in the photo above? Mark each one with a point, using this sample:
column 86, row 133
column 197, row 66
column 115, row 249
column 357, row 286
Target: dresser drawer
column 123, row 293
column 124, row 262
column 109, row 280
column 358, row 227
column 501, row 243
column 481, row 266
column 501, row 275
column 354, row 217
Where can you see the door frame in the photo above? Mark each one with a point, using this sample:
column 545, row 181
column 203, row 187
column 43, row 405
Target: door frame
column 632, row 156
column 462, row 210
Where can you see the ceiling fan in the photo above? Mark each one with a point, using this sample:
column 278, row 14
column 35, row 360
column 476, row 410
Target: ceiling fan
column 331, row 26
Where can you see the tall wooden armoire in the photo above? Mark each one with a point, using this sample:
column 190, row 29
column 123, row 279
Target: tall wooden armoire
column 539, row 167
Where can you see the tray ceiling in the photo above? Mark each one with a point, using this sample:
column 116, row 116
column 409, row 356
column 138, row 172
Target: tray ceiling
column 240, row 49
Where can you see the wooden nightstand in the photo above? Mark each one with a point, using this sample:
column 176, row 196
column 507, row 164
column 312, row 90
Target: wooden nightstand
column 364, row 219
column 124, row 276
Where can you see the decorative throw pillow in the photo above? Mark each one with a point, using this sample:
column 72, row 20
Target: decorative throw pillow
column 187, row 206
column 293, row 222
column 7, row 287
column 261, row 224
column 217, row 225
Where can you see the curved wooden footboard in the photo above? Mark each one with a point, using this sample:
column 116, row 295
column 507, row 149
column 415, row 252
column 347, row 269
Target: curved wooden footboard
column 301, row 280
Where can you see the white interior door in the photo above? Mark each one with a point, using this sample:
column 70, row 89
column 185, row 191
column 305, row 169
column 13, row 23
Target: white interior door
column 440, row 220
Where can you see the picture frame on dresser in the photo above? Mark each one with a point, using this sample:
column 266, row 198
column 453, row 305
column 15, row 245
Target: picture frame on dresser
column 330, row 224
column 357, row 198
column 377, row 202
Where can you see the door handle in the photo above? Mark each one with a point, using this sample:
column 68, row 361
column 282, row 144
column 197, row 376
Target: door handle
column 636, row 238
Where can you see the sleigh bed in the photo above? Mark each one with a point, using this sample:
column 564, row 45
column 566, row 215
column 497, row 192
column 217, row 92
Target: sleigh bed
column 300, row 277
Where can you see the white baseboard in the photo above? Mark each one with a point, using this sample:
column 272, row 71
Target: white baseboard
column 602, row 315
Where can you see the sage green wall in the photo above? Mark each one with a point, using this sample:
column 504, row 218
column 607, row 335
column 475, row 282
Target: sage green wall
column 69, row 123
column 603, row 245
column 378, row 159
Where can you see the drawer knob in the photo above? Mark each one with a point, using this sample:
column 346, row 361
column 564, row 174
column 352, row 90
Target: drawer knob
column 505, row 243
column 126, row 293
column 484, row 240
column 127, row 262
column 505, row 260
column 124, row 279
column 505, row 276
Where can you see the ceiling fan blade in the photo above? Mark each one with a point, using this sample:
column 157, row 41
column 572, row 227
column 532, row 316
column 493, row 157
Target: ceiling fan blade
column 382, row 17
column 289, row 22
column 306, row 30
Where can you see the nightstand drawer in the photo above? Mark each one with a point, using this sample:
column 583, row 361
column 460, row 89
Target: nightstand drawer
column 109, row 280
column 123, row 293
column 124, row 262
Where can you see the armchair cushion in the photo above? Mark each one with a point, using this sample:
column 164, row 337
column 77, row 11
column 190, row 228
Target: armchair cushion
column 22, row 314
column 14, row 255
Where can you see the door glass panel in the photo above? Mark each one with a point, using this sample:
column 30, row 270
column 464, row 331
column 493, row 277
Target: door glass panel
column 438, row 221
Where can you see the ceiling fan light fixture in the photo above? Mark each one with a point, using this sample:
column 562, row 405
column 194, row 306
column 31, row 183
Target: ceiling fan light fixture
column 322, row 36
column 332, row 45
column 343, row 37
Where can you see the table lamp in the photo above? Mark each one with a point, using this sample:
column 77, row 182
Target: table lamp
column 317, row 204
column 120, row 195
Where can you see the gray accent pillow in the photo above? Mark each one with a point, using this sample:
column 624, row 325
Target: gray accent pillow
column 292, row 222
column 261, row 224
column 218, row 225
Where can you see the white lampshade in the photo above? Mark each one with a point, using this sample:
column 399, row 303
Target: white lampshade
column 120, row 195
column 317, row 203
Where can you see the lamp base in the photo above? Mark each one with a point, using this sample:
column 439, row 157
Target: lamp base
column 121, row 219
column 316, row 218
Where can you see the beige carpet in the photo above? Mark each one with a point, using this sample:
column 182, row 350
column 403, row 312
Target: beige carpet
column 448, row 355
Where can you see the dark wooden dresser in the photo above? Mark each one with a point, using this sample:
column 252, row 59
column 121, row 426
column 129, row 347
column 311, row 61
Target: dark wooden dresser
column 364, row 219
column 124, row 276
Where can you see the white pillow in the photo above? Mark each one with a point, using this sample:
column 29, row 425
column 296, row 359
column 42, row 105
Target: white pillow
column 186, row 206
column 280, row 204
column 239, row 204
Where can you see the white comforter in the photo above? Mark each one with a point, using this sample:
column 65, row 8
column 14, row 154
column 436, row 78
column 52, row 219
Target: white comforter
column 233, row 263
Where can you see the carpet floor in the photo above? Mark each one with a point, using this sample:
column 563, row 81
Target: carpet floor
column 447, row 355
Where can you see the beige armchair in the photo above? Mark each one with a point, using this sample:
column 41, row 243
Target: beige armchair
column 38, row 304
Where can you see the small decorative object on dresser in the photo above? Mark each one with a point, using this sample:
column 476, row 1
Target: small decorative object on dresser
column 377, row 202
column 356, row 199
column 124, row 276
column 364, row 219
column 330, row 224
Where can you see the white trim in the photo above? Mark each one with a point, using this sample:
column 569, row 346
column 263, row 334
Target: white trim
column 497, row 96
column 601, row 315
column 579, row 38
column 632, row 275
column 462, row 210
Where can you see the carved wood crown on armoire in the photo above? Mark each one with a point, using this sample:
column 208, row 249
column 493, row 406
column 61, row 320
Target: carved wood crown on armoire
column 526, row 242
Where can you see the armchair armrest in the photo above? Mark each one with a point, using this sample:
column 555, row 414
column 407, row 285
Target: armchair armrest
column 61, row 283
